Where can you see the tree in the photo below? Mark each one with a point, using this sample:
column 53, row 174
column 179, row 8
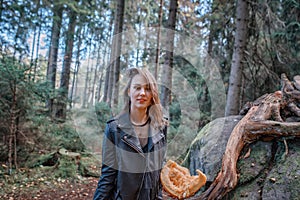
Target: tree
column 53, row 52
column 158, row 39
column 168, row 63
column 77, row 66
column 234, row 91
column 117, row 49
column 18, row 95
column 107, row 87
column 114, row 65
column 96, row 76
column 65, row 75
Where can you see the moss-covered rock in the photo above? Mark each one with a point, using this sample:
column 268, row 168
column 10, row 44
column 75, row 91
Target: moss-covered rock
column 283, row 179
column 208, row 147
column 266, row 170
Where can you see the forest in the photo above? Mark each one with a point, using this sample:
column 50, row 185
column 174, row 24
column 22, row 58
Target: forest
column 62, row 69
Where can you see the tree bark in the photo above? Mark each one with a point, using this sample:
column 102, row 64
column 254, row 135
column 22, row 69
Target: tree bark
column 107, row 88
column 65, row 74
column 96, row 77
column 117, row 51
column 158, row 40
column 12, row 130
column 168, row 63
column 86, row 81
column 266, row 117
column 37, row 57
column 53, row 52
column 240, row 41
column 76, row 69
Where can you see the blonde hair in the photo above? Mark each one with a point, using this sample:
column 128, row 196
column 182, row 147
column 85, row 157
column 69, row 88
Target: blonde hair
column 154, row 111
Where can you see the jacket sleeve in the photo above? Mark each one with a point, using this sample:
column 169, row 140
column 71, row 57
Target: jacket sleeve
column 106, row 184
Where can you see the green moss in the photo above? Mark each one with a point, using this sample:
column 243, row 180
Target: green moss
column 259, row 159
column 66, row 169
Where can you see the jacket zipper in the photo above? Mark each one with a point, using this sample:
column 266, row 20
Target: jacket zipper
column 133, row 146
column 136, row 149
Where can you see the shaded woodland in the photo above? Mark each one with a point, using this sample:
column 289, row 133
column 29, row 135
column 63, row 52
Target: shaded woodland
column 62, row 65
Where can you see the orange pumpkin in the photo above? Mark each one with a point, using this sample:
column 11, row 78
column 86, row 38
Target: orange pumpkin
column 178, row 182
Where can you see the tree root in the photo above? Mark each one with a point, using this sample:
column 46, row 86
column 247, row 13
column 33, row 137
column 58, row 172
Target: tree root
column 265, row 118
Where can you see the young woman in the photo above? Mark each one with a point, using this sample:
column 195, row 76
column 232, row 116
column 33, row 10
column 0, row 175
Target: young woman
column 134, row 143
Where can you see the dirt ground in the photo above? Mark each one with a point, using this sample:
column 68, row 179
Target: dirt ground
column 62, row 189
column 65, row 190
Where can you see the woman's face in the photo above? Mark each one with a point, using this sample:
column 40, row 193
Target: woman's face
column 139, row 93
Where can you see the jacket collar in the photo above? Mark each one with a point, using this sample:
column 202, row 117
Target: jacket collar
column 128, row 134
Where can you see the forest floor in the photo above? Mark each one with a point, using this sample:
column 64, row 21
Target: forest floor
column 44, row 189
column 59, row 189
column 45, row 183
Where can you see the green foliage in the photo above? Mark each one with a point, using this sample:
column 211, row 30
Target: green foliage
column 183, row 130
column 17, row 88
column 197, row 83
column 103, row 113
column 12, row 82
column 67, row 168
column 17, row 94
column 175, row 114
column 67, row 137
column 26, row 99
column 186, row 122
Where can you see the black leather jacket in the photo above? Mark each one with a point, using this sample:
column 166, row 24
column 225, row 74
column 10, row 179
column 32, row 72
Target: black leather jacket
column 128, row 171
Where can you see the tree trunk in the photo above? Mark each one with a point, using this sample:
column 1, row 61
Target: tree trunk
column 138, row 37
column 96, row 77
column 86, row 81
column 268, row 117
column 99, row 87
column 76, row 69
column 168, row 64
column 32, row 50
column 37, row 58
column 212, row 29
column 36, row 38
column 117, row 51
column 240, row 41
column 12, row 130
column 106, row 85
column 53, row 53
column 158, row 40
column 107, row 91
column 110, row 74
column 65, row 75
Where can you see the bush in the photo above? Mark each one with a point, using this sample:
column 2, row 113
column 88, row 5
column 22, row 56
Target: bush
column 68, row 138
column 103, row 113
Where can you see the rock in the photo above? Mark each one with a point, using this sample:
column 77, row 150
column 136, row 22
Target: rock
column 252, row 171
column 255, row 164
column 285, row 172
column 207, row 149
column 266, row 172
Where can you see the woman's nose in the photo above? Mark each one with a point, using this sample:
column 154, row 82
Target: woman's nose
column 142, row 91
